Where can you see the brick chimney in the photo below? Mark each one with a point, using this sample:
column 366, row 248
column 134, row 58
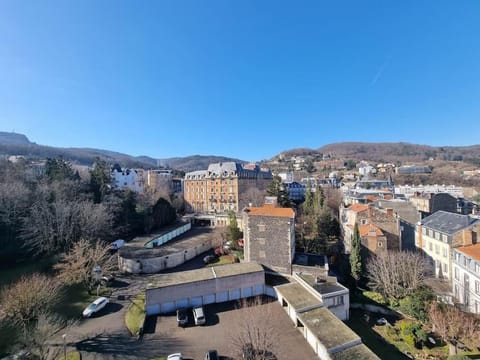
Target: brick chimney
column 467, row 237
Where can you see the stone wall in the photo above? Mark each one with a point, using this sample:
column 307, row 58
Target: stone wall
column 270, row 242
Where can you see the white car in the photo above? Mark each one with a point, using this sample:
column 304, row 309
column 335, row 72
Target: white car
column 96, row 306
column 176, row 356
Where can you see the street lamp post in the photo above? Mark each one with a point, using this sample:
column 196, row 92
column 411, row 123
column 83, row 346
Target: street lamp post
column 64, row 337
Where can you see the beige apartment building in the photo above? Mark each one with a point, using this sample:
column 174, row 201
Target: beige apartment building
column 223, row 187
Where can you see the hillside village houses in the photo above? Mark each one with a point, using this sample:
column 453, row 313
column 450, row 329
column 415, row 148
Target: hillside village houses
column 140, row 180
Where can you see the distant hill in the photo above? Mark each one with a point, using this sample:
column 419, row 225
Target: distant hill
column 13, row 139
column 392, row 152
column 19, row 144
column 195, row 162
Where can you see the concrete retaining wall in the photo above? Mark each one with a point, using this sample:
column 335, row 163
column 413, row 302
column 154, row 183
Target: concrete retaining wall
column 155, row 264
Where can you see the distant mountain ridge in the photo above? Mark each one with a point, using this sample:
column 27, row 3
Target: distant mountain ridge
column 391, row 152
column 19, row 144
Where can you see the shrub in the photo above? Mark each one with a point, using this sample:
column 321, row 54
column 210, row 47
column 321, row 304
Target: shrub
column 458, row 357
column 415, row 305
column 410, row 339
column 375, row 296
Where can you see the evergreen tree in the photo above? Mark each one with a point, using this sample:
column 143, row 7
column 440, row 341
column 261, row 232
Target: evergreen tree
column 233, row 232
column 100, row 180
column 277, row 189
column 59, row 170
column 355, row 256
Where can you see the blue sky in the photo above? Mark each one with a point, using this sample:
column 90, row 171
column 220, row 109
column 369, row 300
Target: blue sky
column 246, row 79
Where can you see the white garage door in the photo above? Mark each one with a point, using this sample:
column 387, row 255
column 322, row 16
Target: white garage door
column 235, row 294
column 168, row 307
column 182, row 303
column 222, row 296
column 209, row 299
column 247, row 292
column 258, row 290
column 196, row 301
column 153, row 309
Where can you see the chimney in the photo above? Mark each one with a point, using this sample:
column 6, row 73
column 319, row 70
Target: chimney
column 370, row 212
column 420, row 235
column 389, row 213
column 467, row 236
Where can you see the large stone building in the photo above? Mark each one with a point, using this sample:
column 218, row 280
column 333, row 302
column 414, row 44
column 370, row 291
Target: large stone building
column 223, row 187
column 438, row 234
column 269, row 234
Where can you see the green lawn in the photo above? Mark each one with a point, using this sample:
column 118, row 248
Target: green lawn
column 223, row 260
column 371, row 339
column 135, row 315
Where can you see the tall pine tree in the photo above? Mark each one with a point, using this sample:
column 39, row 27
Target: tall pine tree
column 355, row 256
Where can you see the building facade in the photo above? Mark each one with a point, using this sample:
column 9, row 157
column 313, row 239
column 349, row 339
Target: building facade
column 438, row 234
column 223, row 187
column 269, row 236
column 466, row 277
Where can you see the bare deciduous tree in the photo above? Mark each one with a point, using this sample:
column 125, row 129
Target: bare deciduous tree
column 257, row 335
column 396, row 274
column 452, row 324
column 23, row 301
column 38, row 339
column 253, row 196
column 77, row 265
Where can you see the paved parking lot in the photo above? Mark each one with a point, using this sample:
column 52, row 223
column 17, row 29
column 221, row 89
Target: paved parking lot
column 224, row 323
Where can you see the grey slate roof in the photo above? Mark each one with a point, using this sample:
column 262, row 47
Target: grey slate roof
column 447, row 222
column 226, row 168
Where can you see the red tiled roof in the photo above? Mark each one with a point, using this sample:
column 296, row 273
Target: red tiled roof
column 358, row 207
column 271, row 211
column 365, row 229
column 471, row 250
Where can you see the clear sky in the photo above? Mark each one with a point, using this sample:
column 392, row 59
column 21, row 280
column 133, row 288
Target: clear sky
column 246, row 79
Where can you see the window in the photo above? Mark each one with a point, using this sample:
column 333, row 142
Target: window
column 444, row 238
column 445, row 268
column 437, row 249
column 261, row 241
column 424, row 231
column 477, row 268
column 456, row 274
column 338, row 300
column 477, row 287
column 430, row 233
column 437, row 236
column 261, row 254
column 445, row 252
column 430, row 246
column 261, row 227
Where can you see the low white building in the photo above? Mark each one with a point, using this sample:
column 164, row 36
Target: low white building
column 204, row 286
column 466, row 277
column 129, row 179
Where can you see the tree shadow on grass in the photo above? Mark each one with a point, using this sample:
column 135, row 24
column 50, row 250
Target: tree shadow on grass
column 119, row 345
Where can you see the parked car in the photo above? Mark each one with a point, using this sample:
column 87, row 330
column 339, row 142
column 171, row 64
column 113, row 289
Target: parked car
column 199, row 316
column 95, row 306
column 209, row 259
column 117, row 244
column 176, row 356
column 211, row 355
column 182, row 317
column 107, row 279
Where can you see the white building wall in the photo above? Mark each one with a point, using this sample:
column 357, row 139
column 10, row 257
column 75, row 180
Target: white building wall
column 466, row 283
